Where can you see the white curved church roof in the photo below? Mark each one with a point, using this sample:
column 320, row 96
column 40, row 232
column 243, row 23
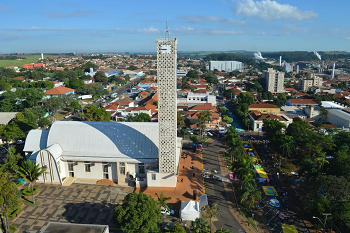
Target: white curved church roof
column 36, row 140
column 135, row 140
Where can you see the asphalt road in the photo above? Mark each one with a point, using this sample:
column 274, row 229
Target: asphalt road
column 215, row 189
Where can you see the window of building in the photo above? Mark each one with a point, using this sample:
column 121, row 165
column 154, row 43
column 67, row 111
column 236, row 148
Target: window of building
column 87, row 167
column 154, row 177
column 141, row 168
column 122, row 168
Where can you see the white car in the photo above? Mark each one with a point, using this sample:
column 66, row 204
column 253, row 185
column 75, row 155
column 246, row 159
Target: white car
column 19, row 142
column 165, row 211
column 210, row 134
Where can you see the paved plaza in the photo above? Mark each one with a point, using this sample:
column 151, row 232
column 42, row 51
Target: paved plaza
column 78, row 203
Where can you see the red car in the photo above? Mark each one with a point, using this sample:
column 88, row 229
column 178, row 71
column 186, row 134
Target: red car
column 200, row 145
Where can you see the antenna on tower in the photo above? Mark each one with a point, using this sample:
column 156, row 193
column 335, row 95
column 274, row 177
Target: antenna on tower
column 167, row 31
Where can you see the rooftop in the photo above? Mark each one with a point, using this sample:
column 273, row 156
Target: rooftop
column 60, row 90
column 263, row 106
column 5, row 117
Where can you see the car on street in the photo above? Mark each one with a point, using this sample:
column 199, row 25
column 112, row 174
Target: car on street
column 210, row 134
column 19, row 142
column 200, row 145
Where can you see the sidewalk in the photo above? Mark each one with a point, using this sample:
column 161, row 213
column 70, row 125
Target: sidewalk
column 231, row 201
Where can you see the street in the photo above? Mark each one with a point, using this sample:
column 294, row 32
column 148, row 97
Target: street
column 215, row 189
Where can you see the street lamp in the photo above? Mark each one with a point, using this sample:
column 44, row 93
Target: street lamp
column 323, row 223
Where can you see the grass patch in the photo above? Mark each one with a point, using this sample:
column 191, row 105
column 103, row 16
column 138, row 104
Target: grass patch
column 248, row 214
column 228, row 161
column 28, row 59
column 14, row 213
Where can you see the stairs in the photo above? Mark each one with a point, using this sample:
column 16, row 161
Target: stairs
column 68, row 181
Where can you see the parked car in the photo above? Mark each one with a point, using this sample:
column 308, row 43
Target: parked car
column 19, row 142
column 210, row 134
column 200, row 145
column 166, row 211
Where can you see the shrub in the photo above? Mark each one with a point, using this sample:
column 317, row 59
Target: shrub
column 18, row 184
column 14, row 213
column 28, row 191
column 13, row 228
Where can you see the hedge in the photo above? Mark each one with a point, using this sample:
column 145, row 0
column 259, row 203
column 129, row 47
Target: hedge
column 28, row 191
column 14, row 213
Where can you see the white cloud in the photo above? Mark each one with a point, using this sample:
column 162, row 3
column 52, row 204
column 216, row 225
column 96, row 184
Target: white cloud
column 205, row 31
column 348, row 38
column 201, row 18
column 76, row 13
column 271, row 10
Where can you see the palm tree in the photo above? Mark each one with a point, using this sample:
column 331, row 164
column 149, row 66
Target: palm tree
column 199, row 226
column 31, row 172
column 243, row 167
column 203, row 119
column 250, row 194
column 247, row 179
column 211, row 212
column 162, row 200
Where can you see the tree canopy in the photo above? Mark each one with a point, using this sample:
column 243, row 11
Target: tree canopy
column 138, row 213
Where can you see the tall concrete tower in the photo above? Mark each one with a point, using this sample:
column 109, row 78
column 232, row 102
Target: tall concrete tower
column 167, row 110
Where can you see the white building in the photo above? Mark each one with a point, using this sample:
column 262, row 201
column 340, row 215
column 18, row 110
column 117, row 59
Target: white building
column 274, row 80
column 122, row 152
column 197, row 98
column 257, row 119
column 227, row 66
column 339, row 117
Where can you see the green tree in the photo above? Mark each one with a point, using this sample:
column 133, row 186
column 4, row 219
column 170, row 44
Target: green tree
column 44, row 122
column 31, row 171
column 138, row 213
column 203, row 119
column 100, row 76
column 210, row 213
column 4, row 86
column 8, row 197
column 75, row 105
column 177, row 228
column 162, row 200
column 243, row 166
column 12, row 131
column 200, row 225
column 233, row 142
column 223, row 110
column 142, row 117
column 32, row 96
column 227, row 119
column 192, row 74
column 156, row 103
column 132, row 67
column 53, row 104
column 223, row 231
column 250, row 194
column 75, row 83
column 180, row 121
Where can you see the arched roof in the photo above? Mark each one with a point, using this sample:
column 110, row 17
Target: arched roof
column 137, row 140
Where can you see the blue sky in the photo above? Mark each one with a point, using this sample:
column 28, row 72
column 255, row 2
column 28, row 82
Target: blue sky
column 200, row 25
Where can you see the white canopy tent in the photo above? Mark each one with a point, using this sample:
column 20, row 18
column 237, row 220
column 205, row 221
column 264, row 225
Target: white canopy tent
column 189, row 210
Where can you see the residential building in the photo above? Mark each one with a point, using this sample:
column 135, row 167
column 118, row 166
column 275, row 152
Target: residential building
column 301, row 102
column 134, row 111
column 126, row 103
column 59, row 91
column 33, row 66
column 257, row 119
column 287, row 67
column 227, row 66
column 274, row 80
column 306, row 83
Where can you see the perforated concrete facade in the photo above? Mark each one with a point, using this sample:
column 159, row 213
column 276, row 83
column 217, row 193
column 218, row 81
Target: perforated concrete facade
column 167, row 111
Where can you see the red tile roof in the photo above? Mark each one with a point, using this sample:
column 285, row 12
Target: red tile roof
column 59, row 91
column 125, row 102
column 303, row 101
column 290, row 89
column 263, row 106
column 203, row 107
column 256, row 115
